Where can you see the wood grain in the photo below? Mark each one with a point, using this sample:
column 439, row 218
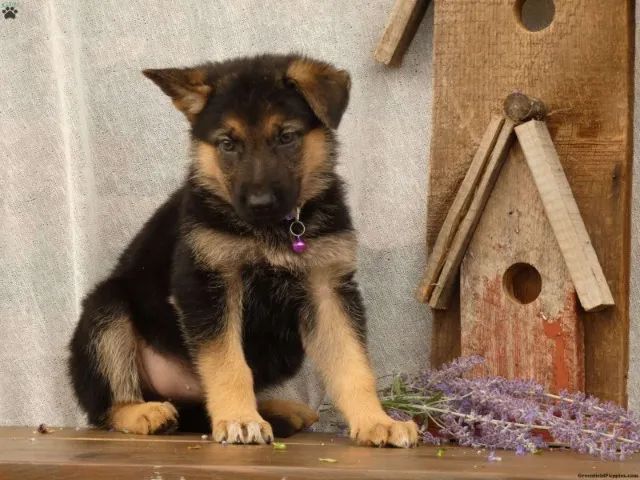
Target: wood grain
column 564, row 216
column 459, row 209
column 101, row 455
column 401, row 26
column 444, row 287
column 581, row 67
column 541, row 340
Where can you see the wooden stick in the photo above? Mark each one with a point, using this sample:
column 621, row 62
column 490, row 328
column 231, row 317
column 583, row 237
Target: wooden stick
column 444, row 287
column 564, row 216
column 458, row 209
column 399, row 31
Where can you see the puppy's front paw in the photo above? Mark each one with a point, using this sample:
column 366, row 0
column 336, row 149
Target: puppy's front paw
column 386, row 432
column 242, row 430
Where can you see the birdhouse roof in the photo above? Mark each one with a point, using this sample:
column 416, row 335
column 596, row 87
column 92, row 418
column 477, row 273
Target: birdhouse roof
column 559, row 205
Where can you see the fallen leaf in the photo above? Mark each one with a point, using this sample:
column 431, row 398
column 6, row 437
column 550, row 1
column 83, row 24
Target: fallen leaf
column 279, row 446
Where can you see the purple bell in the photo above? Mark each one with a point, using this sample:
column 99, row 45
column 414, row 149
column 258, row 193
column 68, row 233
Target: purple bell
column 298, row 245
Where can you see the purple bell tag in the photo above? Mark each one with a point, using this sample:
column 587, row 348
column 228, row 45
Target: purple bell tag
column 298, row 245
column 297, row 229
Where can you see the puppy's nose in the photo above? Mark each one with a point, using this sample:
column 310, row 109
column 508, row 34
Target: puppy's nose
column 261, row 200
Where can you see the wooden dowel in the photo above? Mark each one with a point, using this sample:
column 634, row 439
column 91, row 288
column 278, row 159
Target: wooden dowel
column 520, row 108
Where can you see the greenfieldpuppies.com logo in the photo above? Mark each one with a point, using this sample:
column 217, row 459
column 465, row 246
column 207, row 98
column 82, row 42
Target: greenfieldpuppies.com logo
column 9, row 10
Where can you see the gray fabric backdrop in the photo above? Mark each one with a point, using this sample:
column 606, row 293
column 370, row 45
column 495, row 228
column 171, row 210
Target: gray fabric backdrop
column 90, row 148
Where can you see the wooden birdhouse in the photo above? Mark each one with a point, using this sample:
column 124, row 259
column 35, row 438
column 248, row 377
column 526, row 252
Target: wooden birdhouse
column 525, row 262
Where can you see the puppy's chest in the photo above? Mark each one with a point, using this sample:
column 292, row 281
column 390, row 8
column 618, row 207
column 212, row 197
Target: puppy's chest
column 274, row 303
column 273, row 300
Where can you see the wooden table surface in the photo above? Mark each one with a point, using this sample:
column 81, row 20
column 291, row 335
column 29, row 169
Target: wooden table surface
column 89, row 454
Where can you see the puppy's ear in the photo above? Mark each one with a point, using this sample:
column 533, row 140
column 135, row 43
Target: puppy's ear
column 324, row 87
column 187, row 87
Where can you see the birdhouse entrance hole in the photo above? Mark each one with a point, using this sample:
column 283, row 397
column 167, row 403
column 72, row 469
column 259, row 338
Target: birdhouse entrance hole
column 522, row 282
column 535, row 15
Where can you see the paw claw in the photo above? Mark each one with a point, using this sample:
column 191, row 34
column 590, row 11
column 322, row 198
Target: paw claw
column 242, row 431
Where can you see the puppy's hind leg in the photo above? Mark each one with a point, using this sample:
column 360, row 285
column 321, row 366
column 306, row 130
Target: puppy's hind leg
column 286, row 416
column 144, row 417
column 104, row 368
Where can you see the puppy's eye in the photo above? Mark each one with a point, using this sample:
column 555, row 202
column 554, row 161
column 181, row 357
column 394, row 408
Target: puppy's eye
column 226, row 145
column 287, row 137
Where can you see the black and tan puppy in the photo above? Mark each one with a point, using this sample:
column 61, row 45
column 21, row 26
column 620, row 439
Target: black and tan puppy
column 210, row 304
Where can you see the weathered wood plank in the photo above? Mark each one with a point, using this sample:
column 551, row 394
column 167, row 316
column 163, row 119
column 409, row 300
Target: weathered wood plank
column 458, row 209
column 483, row 54
column 100, row 455
column 564, row 216
column 401, row 26
column 441, row 295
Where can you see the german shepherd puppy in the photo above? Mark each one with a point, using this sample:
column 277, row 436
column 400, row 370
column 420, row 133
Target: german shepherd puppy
column 210, row 304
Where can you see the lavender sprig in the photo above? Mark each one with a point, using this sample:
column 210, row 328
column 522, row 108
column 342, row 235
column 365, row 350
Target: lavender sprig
column 510, row 414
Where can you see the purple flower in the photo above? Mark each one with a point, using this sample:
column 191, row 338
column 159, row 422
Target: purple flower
column 398, row 415
column 429, row 439
column 499, row 413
